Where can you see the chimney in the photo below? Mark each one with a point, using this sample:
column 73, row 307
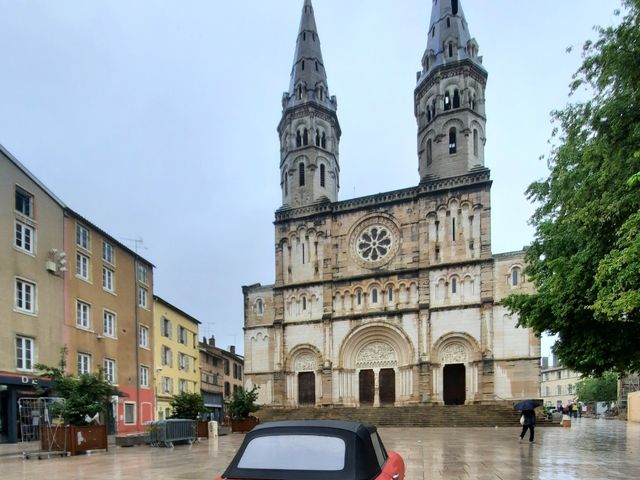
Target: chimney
column 212, row 341
column 232, row 349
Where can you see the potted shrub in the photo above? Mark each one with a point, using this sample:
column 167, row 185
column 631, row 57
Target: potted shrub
column 190, row 406
column 240, row 408
column 85, row 400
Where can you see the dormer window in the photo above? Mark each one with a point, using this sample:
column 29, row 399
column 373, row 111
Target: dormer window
column 453, row 147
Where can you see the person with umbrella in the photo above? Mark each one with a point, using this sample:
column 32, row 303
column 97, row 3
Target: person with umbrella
column 528, row 418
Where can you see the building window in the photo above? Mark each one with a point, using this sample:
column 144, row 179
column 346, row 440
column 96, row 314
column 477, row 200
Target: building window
column 166, row 357
column 25, row 353
column 109, row 324
column 166, row 327
column 107, row 252
column 144, row 336
column 24, row 237
column 390, row 294
column 454, row 7
column 226, row 367
column 298, row 139
column 286, row 185
column 547, row 391
column 515, row 279
column 447, row 101
column 129, row 413
column 142, row 274
column 227, row 389
column 323, row 141
column 82, row 237
column 456, row 98
column 374, row 295
column 109, row 367
column 475, row 143
column 83, row 314
column 84, row 363
column 359, row 297
column 322, row 175
column 301, row 174
column 429, row 152
column 24, row 202
column 450, row 50
column 260, row 306
column 25, row 296
column 454, row 285
column 453, row 147
column 305, row 137
column 183, row 361
column 183, row 386
column 570, row 389
column 167, row 385
column 144, row 376
column 559, row 375
column 107, row 279
column 142, row 297
column 182, row 335
column 82, row 266
column 304, row 303
column 559, row 389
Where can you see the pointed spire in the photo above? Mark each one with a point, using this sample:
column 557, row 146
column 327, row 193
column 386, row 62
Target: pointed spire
column 449, row 38
column 308, row 76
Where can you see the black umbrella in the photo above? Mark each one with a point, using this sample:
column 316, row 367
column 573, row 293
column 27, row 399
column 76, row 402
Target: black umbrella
column 527, row 405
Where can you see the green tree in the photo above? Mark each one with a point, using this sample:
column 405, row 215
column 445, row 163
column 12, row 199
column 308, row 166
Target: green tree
column 598, row 389
column 243, row 403
column 187, row 405
column 585, row 257
column 84, row 395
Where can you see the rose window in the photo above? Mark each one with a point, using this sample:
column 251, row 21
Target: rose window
column 374, row 243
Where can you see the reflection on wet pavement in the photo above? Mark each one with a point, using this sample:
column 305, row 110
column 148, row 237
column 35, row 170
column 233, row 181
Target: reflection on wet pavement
column 590, row 449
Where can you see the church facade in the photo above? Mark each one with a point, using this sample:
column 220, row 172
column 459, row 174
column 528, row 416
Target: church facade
column 393, row 298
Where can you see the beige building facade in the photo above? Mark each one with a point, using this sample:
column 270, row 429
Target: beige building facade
column 558, row 384
column 109, row 321
column 392, row 298
column 32, row 267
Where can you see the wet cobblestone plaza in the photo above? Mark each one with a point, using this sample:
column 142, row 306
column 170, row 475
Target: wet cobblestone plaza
column 590, row 449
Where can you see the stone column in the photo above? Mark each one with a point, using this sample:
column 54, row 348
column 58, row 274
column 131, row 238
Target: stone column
column 376, row 387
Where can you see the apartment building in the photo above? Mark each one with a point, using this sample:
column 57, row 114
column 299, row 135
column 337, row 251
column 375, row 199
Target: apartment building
column 233, row 371
column 31, row 286
column 557, row 383
column 109, row 320
column 177, row 354
column 212, row 378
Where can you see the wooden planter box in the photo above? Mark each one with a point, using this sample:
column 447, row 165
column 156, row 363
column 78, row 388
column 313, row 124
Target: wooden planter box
column 245, row 425
column 203, row 429
column 74, row 439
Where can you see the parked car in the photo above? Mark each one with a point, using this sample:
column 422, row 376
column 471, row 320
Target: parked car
column 314, row 450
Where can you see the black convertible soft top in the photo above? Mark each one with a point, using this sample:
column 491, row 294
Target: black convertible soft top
column 360, row 458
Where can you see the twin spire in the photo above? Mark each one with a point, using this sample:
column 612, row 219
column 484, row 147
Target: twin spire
column 308, row 75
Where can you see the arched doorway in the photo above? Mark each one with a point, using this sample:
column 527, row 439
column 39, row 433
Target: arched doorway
column 367, row 387
column 306, row 388
column 453, row 384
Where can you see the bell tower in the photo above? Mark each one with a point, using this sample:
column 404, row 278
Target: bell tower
column 450, row 97
column 309, row 130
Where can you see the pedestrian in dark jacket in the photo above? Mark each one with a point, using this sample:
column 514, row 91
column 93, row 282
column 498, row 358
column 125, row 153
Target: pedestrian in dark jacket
column 529, row 424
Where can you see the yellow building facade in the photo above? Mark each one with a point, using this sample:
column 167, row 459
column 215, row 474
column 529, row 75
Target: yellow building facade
column 176, row 352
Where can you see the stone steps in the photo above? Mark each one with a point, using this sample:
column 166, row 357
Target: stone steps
column 412, row 416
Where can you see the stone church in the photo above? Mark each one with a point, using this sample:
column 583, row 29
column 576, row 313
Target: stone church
column 393, row 298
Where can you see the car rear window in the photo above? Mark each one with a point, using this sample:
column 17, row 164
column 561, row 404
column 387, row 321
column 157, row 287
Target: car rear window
column 295, row 452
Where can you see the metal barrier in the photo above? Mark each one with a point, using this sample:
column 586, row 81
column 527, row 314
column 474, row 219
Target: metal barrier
column 165, row 433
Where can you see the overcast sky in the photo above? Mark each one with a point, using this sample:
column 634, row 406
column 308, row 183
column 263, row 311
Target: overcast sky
column 157, row 119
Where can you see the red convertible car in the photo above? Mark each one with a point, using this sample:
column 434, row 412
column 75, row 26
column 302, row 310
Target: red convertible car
column 314, row 450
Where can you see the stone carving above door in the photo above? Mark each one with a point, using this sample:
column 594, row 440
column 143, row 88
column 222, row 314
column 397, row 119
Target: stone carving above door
column 454, row 353
column 306, row 362
column 376, row 355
